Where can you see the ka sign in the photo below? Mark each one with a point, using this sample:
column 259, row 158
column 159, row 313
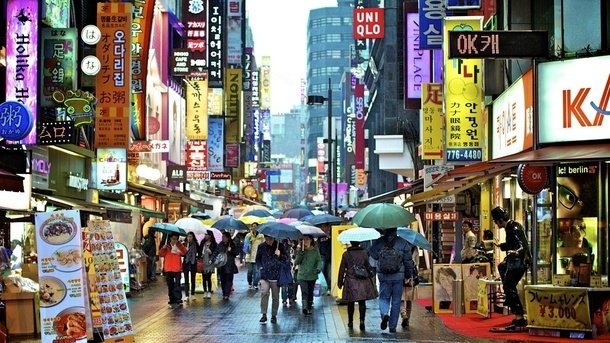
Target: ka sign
column 368, row 23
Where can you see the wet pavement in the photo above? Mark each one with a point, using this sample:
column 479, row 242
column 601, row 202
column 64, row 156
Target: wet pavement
column 237, row 320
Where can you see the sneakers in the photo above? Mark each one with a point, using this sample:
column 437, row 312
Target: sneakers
column 384, row 322
column 263, row 319
column 273, row 319
column 208, row 295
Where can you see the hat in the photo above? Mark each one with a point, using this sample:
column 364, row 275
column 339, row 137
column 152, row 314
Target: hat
column 499, row 213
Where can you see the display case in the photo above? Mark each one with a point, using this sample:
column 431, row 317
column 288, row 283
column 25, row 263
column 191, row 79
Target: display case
column 544, row 237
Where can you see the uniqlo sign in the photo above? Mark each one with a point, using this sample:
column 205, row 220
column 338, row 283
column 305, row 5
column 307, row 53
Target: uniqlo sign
column 196, row 155
column 368, row 23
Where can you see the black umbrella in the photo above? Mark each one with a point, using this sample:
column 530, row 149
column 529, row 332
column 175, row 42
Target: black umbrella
column 279, row 231
column 297, row 213
column 258, row 213
column 230, row 223
column 324, row 219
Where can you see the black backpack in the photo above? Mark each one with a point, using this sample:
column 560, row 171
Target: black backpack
column 390, row 258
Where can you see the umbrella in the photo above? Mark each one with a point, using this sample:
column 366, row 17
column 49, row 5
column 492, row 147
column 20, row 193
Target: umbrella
column 287, row 220
column 257, row 213
column 358, row 234
column 230, row 223
column 216, row 233
column 254, row 207
column 383, row 216
column 253, row 219
column 324, row 219
column 200, row 215
column 350, row 214
column 414, row 238
column 313, row 231
column 297, row 213
column 168, row 228
column 191, row 224
column 279, row 231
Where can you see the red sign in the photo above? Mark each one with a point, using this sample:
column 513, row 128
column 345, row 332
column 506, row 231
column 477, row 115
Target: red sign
column 532, row 179
column 196, row 155
column 359, row 140
column 232, row 155
column 441, row 216
column 368, row 23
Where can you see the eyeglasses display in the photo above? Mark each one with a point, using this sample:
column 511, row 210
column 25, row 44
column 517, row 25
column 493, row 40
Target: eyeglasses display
column 567, row 198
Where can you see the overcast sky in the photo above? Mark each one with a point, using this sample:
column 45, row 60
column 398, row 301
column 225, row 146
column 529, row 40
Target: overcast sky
column 279, row 28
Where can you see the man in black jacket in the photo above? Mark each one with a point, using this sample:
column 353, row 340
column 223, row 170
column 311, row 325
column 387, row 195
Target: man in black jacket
column 514, row 265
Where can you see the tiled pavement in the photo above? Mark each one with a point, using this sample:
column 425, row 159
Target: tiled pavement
column 236, row 320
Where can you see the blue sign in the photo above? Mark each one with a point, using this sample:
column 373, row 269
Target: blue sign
column 431, row 14
column 463, row 4
column 16, row 121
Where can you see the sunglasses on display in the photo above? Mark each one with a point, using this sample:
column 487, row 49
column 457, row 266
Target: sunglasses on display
column 567, row 197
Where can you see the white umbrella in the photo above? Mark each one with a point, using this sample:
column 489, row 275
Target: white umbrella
column 192, row 224
column 358, row 234
column 311, row 230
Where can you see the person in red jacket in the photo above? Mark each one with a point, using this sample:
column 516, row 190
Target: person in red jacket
column 172, row 253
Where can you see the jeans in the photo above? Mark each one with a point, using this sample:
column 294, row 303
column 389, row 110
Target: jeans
column 390, row 293
column 288, row 292
column 266, row 286
column 326, row 272
column 152, row 267
column 190, row 271
column 307, row 293
column 510, row 280
column 207, row 282
column 174, row 290
column 254, row 274
column 226, row 283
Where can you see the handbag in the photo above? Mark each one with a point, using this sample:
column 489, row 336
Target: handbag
column 360, row 271
column 219, row 260
column 285, row 278
column 199, row 265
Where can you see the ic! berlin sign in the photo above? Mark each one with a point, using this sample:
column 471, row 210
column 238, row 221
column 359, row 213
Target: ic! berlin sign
column 498, row 44
column 368, row 23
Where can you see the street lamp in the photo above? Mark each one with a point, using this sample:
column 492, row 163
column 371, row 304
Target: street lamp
column 318, row 99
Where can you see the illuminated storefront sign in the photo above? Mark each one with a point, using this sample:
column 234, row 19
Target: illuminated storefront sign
column 215, row 144
column 194, row 17
column 59, row 52
column 215, row 41
column 233, row 85
column 234, row 31
column 432, row 121
column 197, row 110
column 111, row 169
column 417, row 62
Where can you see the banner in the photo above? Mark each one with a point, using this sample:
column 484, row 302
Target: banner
column 265, row 83
column 417, row 63
column 194, row 18
column 216, row 144
column 235, row 13
column 215, row 101
column 232, row 85
column 59, row 53
column 197, row 110
column 22, row 63
column 359, row 140
column 232, row 155
column 61, row 277
column 431, row 14
column 215, row 43
column 463, row 94
column 432, row 121
column 141, row 29
column 196, row 155
column 557, row 307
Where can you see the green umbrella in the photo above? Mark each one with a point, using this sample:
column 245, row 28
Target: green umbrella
column 383, row 216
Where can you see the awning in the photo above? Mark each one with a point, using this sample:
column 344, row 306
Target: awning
column 474, row 170
column 146, row 212
column 10, row 182
column 152, row 190
column 553, row 154
column 448, row 188
column 416, row 186
column 75, row 204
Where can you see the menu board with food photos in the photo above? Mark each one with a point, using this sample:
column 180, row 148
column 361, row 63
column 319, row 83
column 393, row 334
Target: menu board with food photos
column 116, row 320
column 62, row 294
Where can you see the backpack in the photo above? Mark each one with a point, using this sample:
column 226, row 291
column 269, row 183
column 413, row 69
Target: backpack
column 390, row 258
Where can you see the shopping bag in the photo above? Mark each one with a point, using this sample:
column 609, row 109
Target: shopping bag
column 199, row 265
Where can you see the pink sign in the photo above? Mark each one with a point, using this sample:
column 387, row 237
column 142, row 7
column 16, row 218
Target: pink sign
column 22, row 57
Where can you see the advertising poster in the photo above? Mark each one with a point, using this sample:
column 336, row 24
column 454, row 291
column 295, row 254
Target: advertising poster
column 216, row 144
column 94, row 300
column 443, row 276
column 234, row 31
column 62, row 286
column 557, row 307
column 111, row 169
column 482, row 298
column 471, row 274
column 59, row 52
column 463, row 95
column 116, row 320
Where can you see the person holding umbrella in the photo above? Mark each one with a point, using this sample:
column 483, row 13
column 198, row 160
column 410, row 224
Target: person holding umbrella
column 269, row 258
column 172, row 253
column 254, row 239
column 189, row 264
column 229, row 269
column 309, row 264
column 207, row 248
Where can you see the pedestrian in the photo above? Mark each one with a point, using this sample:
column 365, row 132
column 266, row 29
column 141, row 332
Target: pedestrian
column 310, row 264
column 189, row 264
column 356, row 288
column 409, row 290
column 172, row 254
column 207, row 247
column 229, row 269
column 326, row 252
column 288, row 291
column 149, row 246
column 255, row 239
column 269, row 258
column 394, row 265
column 514, row 265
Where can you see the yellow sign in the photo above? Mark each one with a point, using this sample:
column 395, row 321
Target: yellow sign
column 197, row 110
column 557, row 307
column 482, row 299
column 338, row 249
column 432, row 119
column 233, row 84
column 463, row 81
column 265, row 83
column 215, row 101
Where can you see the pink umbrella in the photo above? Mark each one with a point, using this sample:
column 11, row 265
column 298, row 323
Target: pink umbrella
column 215, row 231
column 287, row 220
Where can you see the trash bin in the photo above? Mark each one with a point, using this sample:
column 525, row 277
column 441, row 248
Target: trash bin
column 458, row 298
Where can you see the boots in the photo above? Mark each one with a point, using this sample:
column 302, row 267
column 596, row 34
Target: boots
column 406, row 315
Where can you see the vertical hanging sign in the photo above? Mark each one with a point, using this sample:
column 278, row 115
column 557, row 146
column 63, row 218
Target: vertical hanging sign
column 59, row 53
column 233, row 93
column 432, row 121
column 141, row 28
column 22, row 65
column 234, row 31
column 216, row 144
column 197, row 110
column 194, row 17
column 215, row 41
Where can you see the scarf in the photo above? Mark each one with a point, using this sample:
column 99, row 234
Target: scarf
column 191, row 253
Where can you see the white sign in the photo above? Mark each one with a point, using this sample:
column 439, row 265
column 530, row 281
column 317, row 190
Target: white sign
column 90, row 65
column 574, row 100
column 432, row 173
column 91, row 34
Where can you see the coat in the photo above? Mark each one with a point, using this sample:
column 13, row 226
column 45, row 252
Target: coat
column 172, row 262
column 310, row 264
column 268, row 262
column 230, row 267
column 355, row 289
